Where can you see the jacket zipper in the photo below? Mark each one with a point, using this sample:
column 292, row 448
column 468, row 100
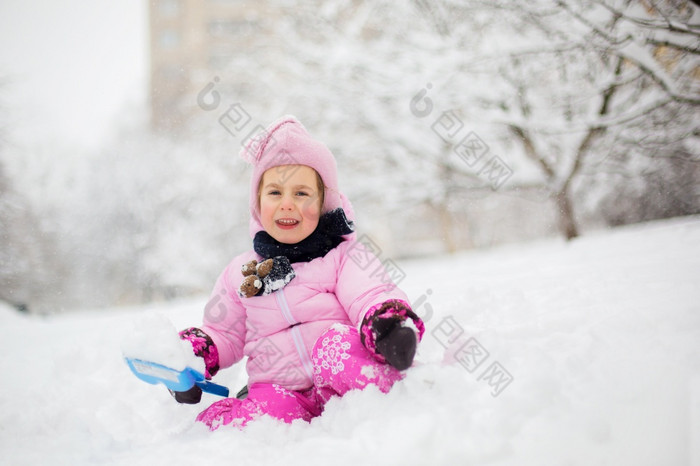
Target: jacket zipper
column 296, row 333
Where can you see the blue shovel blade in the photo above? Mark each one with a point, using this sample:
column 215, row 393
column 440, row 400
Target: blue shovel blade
column 177, row 381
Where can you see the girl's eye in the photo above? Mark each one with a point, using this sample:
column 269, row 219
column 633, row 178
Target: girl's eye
column 274, row 193
column 302, row 193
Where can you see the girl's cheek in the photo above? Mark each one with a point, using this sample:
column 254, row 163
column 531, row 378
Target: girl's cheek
column 266, row 210
column 311, row 209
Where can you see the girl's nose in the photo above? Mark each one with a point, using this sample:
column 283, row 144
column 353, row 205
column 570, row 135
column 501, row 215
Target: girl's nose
column 287, row 203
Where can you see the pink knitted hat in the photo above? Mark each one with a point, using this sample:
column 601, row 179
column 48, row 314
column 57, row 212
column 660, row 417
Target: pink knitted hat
column 286, row 142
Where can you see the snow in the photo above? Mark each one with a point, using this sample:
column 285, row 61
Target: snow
column 154, row 338
column 596, row 342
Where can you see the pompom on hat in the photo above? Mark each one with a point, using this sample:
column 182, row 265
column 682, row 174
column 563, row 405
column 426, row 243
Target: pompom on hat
column 285, row 143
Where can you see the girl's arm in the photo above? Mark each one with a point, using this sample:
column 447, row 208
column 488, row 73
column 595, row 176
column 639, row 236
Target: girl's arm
column 362, row 281
column 381, row 311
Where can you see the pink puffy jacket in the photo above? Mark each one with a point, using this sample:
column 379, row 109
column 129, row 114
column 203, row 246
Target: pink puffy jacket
column 277, row 332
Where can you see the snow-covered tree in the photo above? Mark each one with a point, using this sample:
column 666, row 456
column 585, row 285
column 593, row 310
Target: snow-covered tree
column 27, row 251
column 584, row 80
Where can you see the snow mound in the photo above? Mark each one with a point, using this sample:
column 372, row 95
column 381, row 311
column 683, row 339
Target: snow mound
column 154, row 338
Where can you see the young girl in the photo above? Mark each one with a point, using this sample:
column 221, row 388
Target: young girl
column 307, row 305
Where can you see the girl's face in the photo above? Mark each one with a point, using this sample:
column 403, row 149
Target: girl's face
column 290, row 202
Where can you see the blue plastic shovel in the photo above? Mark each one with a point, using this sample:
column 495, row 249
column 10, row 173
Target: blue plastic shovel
column 177, row 381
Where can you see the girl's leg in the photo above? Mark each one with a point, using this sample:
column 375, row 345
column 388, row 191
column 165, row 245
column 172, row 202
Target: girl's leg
column 270, row 399
column 342, row 363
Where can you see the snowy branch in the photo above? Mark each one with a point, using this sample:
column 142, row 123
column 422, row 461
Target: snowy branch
column 627, row 47
column 531, row 152
column 640, row 57
column 667, row 25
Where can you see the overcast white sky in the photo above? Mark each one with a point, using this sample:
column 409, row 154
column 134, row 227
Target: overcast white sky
column 70, row 66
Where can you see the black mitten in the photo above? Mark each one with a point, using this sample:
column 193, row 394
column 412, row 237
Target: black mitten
column 190, row 397
column 383, row 332
column 398, row 346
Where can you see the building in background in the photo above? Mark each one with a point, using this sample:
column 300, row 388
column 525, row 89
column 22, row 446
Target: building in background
column 190, row 40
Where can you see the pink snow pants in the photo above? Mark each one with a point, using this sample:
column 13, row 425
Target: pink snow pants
column 340, row 362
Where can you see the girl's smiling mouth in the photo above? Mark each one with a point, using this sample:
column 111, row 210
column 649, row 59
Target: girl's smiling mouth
column 286, row 223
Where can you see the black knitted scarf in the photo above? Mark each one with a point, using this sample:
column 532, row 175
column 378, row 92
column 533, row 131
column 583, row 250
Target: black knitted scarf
column 326, row 236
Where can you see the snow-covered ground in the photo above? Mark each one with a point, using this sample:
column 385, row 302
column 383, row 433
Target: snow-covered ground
column 550, row 353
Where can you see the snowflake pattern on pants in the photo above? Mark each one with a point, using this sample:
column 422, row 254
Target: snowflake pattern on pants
column 331, row 354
